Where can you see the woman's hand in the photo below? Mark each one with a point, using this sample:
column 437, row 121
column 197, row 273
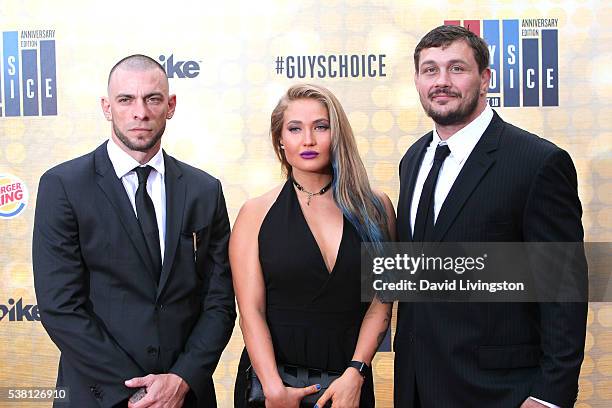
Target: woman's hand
column 288, row 397
column 345, row 392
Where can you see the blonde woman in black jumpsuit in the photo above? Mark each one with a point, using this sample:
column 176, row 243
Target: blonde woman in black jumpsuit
column 295, row 258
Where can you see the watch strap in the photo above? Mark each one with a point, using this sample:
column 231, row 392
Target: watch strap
column 362, row 367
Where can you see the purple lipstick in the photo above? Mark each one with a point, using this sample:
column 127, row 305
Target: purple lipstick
column 309, row 154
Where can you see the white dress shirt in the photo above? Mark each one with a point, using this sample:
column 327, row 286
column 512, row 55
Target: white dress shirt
column 461, row 145
column 124, row 166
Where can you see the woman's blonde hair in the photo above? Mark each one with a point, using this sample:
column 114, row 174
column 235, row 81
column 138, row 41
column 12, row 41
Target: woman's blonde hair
column 350, row 185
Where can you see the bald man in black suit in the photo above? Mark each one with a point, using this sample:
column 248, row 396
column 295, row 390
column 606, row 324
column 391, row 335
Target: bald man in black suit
column 130, row 259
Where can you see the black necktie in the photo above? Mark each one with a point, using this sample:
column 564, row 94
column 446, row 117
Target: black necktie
column 146, row 217
column 424, row 222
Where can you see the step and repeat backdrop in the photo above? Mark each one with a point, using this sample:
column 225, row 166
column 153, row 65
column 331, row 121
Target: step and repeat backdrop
column 229, row 62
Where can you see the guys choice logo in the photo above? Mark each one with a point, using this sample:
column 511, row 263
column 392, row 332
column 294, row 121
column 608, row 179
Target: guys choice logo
column 13, row 196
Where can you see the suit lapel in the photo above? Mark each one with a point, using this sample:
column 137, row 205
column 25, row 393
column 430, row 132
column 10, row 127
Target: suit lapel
column 115, row 192
column 476, row 166
column 410, row 171
column 175, row 205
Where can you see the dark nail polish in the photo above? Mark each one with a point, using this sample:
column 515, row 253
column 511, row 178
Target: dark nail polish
column 318, row 387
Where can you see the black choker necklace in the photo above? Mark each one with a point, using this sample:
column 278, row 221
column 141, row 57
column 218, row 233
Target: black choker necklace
column 310, row 195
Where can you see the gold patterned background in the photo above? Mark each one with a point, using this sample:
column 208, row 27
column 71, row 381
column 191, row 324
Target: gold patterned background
column 222, row 118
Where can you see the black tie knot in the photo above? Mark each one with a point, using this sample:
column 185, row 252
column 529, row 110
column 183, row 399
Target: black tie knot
column 441, row 152
column 143, row 173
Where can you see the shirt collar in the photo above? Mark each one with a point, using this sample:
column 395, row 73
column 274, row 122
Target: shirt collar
column 123, row 163
column 463, row 142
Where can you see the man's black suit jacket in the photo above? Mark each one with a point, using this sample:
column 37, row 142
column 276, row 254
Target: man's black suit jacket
column 514, row 186
column 97, row 295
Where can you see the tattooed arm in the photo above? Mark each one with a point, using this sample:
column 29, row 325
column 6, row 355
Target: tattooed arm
column 373, row 330
column 346, row 390
column 378, row 317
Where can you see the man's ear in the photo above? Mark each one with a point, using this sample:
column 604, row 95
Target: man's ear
column 106, row 109
column 485, row 79
column 171, row 106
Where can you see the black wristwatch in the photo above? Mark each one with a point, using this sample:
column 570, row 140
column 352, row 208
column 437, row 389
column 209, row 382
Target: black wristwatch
column 362, row 367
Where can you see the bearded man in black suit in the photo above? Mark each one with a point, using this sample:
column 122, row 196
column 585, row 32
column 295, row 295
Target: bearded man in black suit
column 476, row 178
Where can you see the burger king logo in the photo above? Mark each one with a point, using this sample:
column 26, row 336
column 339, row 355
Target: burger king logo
column 13, row 196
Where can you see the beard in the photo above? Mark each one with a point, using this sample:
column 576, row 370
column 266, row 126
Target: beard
column 138, row 147
column 459, row 115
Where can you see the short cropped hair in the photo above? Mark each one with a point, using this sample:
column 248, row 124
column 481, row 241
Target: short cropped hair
column 445, row 35
column 136, row 62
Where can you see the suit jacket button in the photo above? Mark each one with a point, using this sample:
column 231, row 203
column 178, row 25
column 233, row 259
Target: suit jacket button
column 152, row 350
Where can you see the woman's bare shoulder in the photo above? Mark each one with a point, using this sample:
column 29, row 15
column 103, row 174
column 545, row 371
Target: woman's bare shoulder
column 254, row 210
